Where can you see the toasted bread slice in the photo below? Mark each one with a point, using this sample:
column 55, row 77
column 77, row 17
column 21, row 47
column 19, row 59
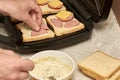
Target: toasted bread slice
column 50, row 8
column 115, row 76
column 61, row 28
column 29, row 35
column 100, row 66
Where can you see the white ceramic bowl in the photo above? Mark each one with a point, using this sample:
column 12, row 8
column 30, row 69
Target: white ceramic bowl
column 55, row 61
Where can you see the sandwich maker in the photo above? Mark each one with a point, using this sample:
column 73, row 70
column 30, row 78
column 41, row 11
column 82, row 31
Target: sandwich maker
column 86, row 11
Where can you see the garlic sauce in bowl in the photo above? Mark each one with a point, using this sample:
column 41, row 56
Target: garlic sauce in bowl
column 52, row 65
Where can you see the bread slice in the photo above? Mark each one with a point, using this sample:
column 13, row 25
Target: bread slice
column 48, row 10
column 63, row 30
column 116, row 76
column 28, row 36
column 100, row 66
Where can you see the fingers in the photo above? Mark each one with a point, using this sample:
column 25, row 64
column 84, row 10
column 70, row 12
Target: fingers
column 10, row 53
column 26, row 65
column 36, row 18
column 13, row 54
column 38, row 14
column 17, row 76
column 33, row 15
column 23, row 75
column 32, row 23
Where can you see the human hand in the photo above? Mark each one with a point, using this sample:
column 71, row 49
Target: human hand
column 13, row 67
column 23, row 10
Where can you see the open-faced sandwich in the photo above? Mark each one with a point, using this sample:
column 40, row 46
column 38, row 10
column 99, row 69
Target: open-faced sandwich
column 64, row 22
column 29, row 35
column 51, row 6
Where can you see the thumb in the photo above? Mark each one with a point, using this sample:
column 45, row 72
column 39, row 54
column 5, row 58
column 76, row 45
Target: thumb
column 26, row 65
column 32, row 23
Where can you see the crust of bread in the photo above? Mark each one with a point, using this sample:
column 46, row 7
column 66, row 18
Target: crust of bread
column 100, row 66
column 47, row 10
column 26, row 33
column 91, row 73
column 61, row 31
column 116, row 76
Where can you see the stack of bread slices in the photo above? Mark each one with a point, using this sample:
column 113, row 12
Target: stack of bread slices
column 100, row 66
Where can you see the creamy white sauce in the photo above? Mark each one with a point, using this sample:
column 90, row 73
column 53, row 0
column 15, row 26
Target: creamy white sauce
column 50, row 67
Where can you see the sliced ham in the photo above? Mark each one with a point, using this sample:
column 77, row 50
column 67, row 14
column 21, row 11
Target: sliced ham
column 44, row 25
column 71, row 23
column 57, row 23
column 35, row 33
column 43, row 30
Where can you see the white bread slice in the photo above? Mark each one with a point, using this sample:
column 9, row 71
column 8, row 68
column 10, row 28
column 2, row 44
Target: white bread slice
column 26, row 33
column 61, row 31
column 116, row 76
column 100, row 66
column 47, row 10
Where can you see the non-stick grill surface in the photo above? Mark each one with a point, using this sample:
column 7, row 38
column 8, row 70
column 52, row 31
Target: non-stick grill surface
column 15, row 42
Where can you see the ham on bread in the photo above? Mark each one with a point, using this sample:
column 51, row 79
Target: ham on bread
column 29, row 35
column 100, row 66
column 52, row 6
column 64, row 26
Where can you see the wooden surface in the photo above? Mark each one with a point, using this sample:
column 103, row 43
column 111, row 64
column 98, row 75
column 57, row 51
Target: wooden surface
column 116, row 9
